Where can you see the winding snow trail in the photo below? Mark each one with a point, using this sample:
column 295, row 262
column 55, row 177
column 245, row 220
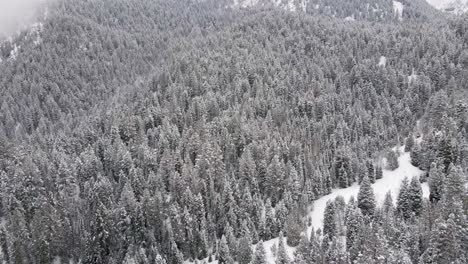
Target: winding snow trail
column 391, row 181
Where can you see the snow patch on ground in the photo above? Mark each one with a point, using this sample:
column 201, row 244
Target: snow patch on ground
column 398, row 9
column 35, row 32
column 249, row 3
column 304, row 5
column 270, row 255
column 390, row 181
column 382, row 61
column 33, row 35
column 412, row 77
column 288, row 5
column 14, row 52
column 451, row 6
column 291, row 6
column 349, row 19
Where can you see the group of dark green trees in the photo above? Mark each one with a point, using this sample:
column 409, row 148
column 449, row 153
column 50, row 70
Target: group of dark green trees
column 153, row 131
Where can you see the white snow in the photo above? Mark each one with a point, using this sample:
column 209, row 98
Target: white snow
column 382, row 61
column 390, row 181
column 442, row 4
column 249, row 3
column 291, row 6
column 36, row 29
column 452, row 6
column 304, row 5
column 349, row 18
column 412, row 77
column 270, row 255
column 288, row 5
column 14, row 52
column 398, row 9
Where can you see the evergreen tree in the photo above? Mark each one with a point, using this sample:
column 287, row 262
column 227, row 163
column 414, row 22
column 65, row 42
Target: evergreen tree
column 417, row 156
column 366, row 198
column 282, row 256
column 444, row 245
column 337, row 253
column 245, row 250
column 97, row 247
column 371, row 172
column 409, row 143
column 260, row 254
column 294, row 228
column 403, row 201
column 270, row 221
column 415, row 197
column 378, row 173
column 354, row 222
column 436, row 183
column 329, row 220
column 392, row 160
column 455, row 183
column 224, row 254
column 302, row 254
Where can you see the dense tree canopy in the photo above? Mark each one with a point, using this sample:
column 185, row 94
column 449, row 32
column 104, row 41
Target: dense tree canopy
column 161, row 131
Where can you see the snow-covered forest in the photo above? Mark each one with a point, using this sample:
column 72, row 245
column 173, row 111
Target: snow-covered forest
column 219, row 131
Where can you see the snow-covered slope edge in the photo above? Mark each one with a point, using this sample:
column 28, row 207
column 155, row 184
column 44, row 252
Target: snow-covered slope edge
column 288, row 5
column 451, row 6
column 391, row 181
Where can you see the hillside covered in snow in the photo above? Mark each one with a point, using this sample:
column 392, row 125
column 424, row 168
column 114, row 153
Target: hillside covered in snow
column 375, row 10
column 451, row 6
column 235, row 132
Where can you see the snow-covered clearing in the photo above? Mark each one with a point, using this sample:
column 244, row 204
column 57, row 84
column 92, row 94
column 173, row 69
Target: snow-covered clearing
column 412, row 77
column 382, row 61
column 398, row 9
column 270, row 257
column 458, row 6
column 390, row 181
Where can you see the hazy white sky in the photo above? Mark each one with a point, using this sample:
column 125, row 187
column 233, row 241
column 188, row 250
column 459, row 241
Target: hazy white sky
column 14, row 14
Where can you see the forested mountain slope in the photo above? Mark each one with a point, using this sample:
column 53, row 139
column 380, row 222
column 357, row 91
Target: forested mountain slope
column 373, row 10
column 161, row 131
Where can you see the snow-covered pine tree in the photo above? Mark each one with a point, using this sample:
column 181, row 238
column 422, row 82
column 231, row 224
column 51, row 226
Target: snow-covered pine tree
column 409, row 143
column 436, row 183
column 415, row 196
column 294, row 227
column 366, row 198
column 392, row 160
column 282, row 256
column 329, row 220
column 403, row 201
column 224, row 254
column 378, row 173
column 260, row 254
column 244, row 251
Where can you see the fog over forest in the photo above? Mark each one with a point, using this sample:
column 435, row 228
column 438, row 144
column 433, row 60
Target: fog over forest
column 16, row 14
